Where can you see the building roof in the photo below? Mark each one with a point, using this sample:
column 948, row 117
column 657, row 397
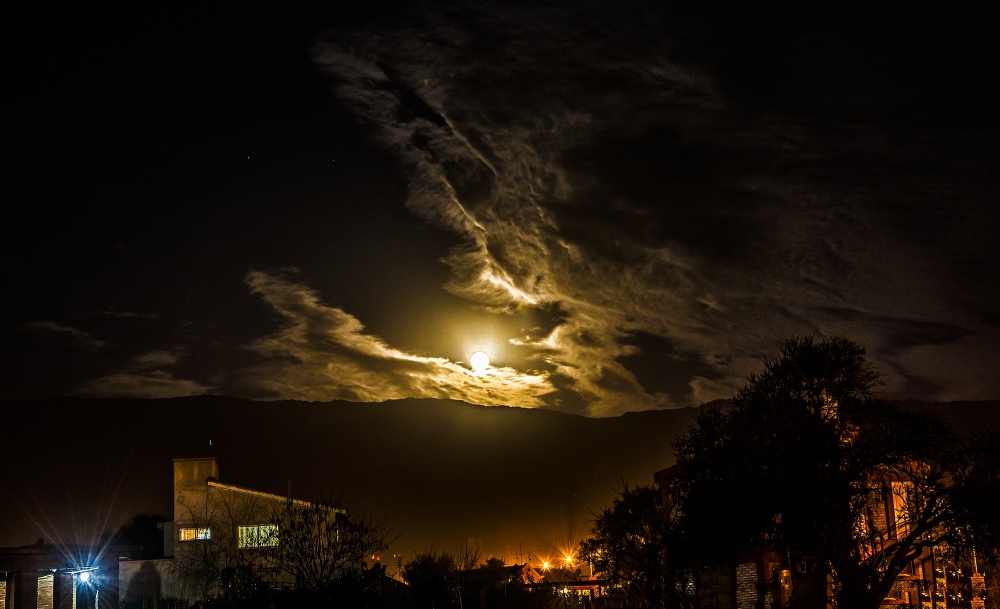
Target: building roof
column 249, row 491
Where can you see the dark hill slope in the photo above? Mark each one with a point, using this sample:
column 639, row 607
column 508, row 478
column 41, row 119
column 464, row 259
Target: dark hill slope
column 439, row 471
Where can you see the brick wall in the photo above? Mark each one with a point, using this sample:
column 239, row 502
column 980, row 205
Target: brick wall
column 716, row 588
column 46, row 591
column 746, row 585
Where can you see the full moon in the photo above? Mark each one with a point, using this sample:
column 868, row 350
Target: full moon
column 479, row 361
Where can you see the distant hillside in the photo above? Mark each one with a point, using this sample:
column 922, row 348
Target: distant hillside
column 518, row 480
column 439, row 471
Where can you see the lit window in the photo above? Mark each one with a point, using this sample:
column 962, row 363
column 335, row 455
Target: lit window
column 902, row 506
column 195, row 533
column 258, row 536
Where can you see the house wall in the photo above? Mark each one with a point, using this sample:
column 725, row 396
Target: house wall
column 202, row 502
column 191, row 490
column 148, row 580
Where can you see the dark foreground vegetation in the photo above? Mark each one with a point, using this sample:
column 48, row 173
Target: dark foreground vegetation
column 814, row 475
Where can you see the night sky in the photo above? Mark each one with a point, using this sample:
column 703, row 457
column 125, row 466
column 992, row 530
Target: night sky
column 626, row 205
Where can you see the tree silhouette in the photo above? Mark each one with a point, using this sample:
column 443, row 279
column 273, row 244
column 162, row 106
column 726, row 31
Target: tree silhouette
column 813, row 464
column 629, row 547
column 433, row 580
column 321, row 544
column 142, row 534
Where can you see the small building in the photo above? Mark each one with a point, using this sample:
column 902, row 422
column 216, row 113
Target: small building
column 579, row 583
column 48, row 576
column 219, row 533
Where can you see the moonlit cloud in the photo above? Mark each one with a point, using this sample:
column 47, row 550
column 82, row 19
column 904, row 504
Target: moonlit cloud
column 586, row 169
column 155, row 359
column 143, row 377
column 629, row 205
column 494, row 179
column 79, row 337
column 322, row 353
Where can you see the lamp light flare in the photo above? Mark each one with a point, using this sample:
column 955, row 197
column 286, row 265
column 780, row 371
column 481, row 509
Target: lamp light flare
column 479, row 361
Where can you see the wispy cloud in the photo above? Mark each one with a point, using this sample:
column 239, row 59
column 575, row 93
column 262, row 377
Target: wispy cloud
column 490, row 172
column 586, row 169
column 141, row 384
column 155, row 359
column 143, row 377
column 81, row 338
column 322, row 353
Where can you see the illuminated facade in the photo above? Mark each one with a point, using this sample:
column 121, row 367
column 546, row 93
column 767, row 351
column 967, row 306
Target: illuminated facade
column 217, row 529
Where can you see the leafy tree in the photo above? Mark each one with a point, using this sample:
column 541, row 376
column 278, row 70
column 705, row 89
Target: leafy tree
column 809, row 461
column 432, row 578
column 628, row 547
column 143, row 533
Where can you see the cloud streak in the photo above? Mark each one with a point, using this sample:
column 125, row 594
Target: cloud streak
column 489, row 173
column 143, row 377
column 79, row 337
column 628, row 206
column 322, row 353
column 586, row 169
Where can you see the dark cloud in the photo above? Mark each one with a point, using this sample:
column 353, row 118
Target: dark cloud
column 715, row 197
column 144, row 377
column 79, row 337
column 627, row 206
